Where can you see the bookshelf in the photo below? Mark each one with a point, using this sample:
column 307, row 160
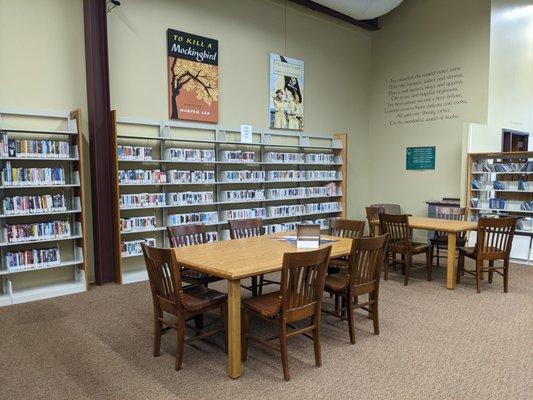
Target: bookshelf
column 501, row 184
column 42, row 245
column 172, row 172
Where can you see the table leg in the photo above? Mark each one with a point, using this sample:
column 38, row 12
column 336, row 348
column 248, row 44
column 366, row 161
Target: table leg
column 450, row 277
column 234, row 328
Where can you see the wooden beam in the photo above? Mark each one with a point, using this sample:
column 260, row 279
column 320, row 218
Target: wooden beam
column 371, row 24
column 100, row 141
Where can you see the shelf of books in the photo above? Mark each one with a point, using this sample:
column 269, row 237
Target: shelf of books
column 42, row 243
column 501, row 184
column 171, row 173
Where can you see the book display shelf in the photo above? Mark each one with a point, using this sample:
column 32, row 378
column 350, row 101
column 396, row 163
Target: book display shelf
column 42, row 244
column 501, row 184
column 171, row 173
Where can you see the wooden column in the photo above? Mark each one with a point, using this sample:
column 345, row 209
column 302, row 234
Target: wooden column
column 100, row 140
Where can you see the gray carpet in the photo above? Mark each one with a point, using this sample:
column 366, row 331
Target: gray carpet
column 434, row 344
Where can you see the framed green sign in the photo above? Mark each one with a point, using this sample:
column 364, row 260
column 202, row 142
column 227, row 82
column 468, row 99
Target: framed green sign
column 420, row 157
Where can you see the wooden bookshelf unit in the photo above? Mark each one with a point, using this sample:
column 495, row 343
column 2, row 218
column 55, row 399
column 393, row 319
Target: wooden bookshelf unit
column 171, row 173
column 42, row 246
column 501, row 184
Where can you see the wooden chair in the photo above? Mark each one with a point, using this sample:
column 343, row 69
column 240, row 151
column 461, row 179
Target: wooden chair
column 345, row 228
column 244, row 228
column 187, row 235
column 300, row 296
column 400, row 242
column 494, row 241
column 372, row 215
column 361, row 277
column 440, row 239
column 169, row 297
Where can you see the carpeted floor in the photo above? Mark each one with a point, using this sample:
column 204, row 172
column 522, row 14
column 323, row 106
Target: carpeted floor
column 434, row 344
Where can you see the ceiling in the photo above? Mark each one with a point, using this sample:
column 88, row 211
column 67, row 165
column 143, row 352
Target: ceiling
column 361, row 9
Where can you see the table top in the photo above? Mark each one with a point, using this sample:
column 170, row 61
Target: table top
column 242, row 258
column 437, row 224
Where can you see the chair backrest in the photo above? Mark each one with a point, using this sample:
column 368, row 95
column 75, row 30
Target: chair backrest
column 451, row 213
column 397, row 226
column 372, row 214
column 495, row 237
column 164, row 276
column 243, row 228
column 366, row 259
column 346, row 228
column 186, row 235
column 302, row 282
column 393, row 209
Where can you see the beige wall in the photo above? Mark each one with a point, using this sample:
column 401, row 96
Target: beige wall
column 336, row 55
column 420, row 36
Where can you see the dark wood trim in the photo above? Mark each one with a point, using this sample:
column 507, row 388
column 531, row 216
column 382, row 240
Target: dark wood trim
column 100, row 141
column 371, row 24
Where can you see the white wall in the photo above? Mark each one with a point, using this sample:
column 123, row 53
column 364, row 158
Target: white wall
column 511, row 75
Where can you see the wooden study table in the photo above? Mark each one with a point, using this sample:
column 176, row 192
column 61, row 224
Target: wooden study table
column 451, row 227
column 234, row 260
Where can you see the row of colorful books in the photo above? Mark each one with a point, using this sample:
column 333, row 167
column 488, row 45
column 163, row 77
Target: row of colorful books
column 133, row 247
column 210, row 217
column 281, row 211
column 189, row 155
column 242, row 195
column 30, row 148
column 39, row 204
column 246, row 213
column 20, row 233
column 31, row 259
column 137, row 223
column 141, row 153
column 237, row 156
column 32, row 176
column 503, row 167
column 189, row 198
column 242, row 176
column 141, row 200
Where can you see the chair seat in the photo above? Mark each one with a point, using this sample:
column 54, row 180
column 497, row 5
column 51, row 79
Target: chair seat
column 197, row 277
column 416, row 248
column 269, row 305
column 336, row 282
column 468, row 251
column 197, row 298
column 443, row 239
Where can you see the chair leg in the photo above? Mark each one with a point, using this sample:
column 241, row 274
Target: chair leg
column 337, row 304
column 316, row 340
column 460, row 267
column 158, row 327
column 386, row 266
column 199, row 322
column 261, row 283
column 506, row 276
column 254, row 286
column 351, row 324
column 403, row 264
column 180, row 342
column 429, row 261
column 283, row 348
column 407, row 267
column 479, row 264
column 375, row 313
column 224, row 321
column 245, row 327
column 438, row 255
column 491, row 272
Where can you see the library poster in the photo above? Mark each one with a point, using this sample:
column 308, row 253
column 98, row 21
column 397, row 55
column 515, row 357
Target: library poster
column 417, row 158
column 286, row 91
column 192, row 77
